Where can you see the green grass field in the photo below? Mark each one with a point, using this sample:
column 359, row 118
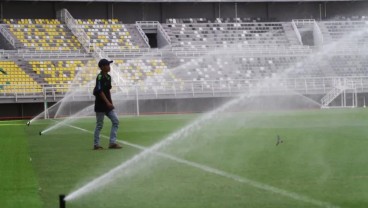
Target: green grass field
column 322, row 161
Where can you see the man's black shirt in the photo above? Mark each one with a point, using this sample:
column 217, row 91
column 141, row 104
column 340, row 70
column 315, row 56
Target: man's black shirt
column 103, row 84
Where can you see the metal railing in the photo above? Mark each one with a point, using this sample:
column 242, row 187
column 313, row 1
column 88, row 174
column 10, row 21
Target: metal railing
column 142, row 25
column 340, row 87
column 252, row 50
column 304, row 21
column 207, row 88
column 297, row 32
column 317, row 34
column 147, row 24
column 143, row 35
column 246, row 52
column 164, row 33
column 237, row 24
column 72, row 24
column 8, row 36
column 53, row 55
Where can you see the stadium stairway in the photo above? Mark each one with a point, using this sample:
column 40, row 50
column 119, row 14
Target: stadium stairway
column 27, row 68
column 327, row 38
column 136, row 37
column 290, row 33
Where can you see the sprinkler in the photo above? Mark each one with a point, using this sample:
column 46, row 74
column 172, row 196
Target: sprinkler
column 278, row 140
column 61, row 201
column 40, row 133
column 28, row 123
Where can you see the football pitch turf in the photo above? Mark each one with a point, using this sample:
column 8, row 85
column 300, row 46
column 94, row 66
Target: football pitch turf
column 231, row 161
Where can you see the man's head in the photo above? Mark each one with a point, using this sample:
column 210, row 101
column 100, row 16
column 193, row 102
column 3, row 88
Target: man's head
column 104, row 65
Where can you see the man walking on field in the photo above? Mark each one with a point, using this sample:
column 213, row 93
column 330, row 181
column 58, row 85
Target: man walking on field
column 104, row 106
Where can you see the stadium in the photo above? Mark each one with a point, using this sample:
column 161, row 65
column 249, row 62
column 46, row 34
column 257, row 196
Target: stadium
column 248, row 103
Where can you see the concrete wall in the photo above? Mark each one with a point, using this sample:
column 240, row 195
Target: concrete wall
column 188, row 10
column 30, row 110
column 131, row 12
column 347, row 8
column 22, row 110
column 14, row 9
column 82, row 10
column 287, row 11
column 169, row 106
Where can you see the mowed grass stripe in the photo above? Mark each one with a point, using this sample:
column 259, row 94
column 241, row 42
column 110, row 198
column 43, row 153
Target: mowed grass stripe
column 210, row 170
column 19, row 187
column 64, row 161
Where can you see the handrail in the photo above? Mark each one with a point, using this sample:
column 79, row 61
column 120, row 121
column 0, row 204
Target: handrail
column 143, row 35
column 7, row 35
column 297, row 33
column 59, row 51
column 225, row 23
column 304, row 21
column 313, row 85
column 153, row 25
column 258, row 50
column 76, row 30
column 317, row 33
column 163, row 31
column 147, row 23
column 54, row 55
column 339, row 85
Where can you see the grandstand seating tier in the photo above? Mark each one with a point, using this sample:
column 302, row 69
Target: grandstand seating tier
column 269, row 52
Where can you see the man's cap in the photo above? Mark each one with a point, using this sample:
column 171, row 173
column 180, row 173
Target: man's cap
column 104, row 62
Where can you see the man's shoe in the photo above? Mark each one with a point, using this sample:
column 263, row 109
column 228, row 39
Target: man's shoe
column 97, row 147
column 115, row 146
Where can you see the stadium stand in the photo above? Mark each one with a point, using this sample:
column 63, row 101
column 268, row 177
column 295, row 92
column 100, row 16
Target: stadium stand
column 16, row 80
column 232, row 66
column 335, row 30
column 219, row 20
column 59, row 74
column 348, row 65
column 108, row 34
column 145, row 71
column 42, row 35
column 203, row 35
column 62, row 73
column 250, row 47
column 349, row 18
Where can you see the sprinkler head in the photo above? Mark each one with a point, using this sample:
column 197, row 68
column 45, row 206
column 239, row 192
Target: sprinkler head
column 61, row 201
column 28, row 123
column 278, row 140
column 40, row 133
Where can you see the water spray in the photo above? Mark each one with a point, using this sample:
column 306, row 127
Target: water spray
column 364, row 103
column 102, row 180
column 62, row 202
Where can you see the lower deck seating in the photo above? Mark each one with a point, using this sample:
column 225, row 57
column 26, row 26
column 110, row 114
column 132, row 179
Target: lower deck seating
column 59, row 74
column 16, row 80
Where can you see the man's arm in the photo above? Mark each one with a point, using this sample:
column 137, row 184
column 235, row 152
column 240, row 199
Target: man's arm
column 104, row 98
